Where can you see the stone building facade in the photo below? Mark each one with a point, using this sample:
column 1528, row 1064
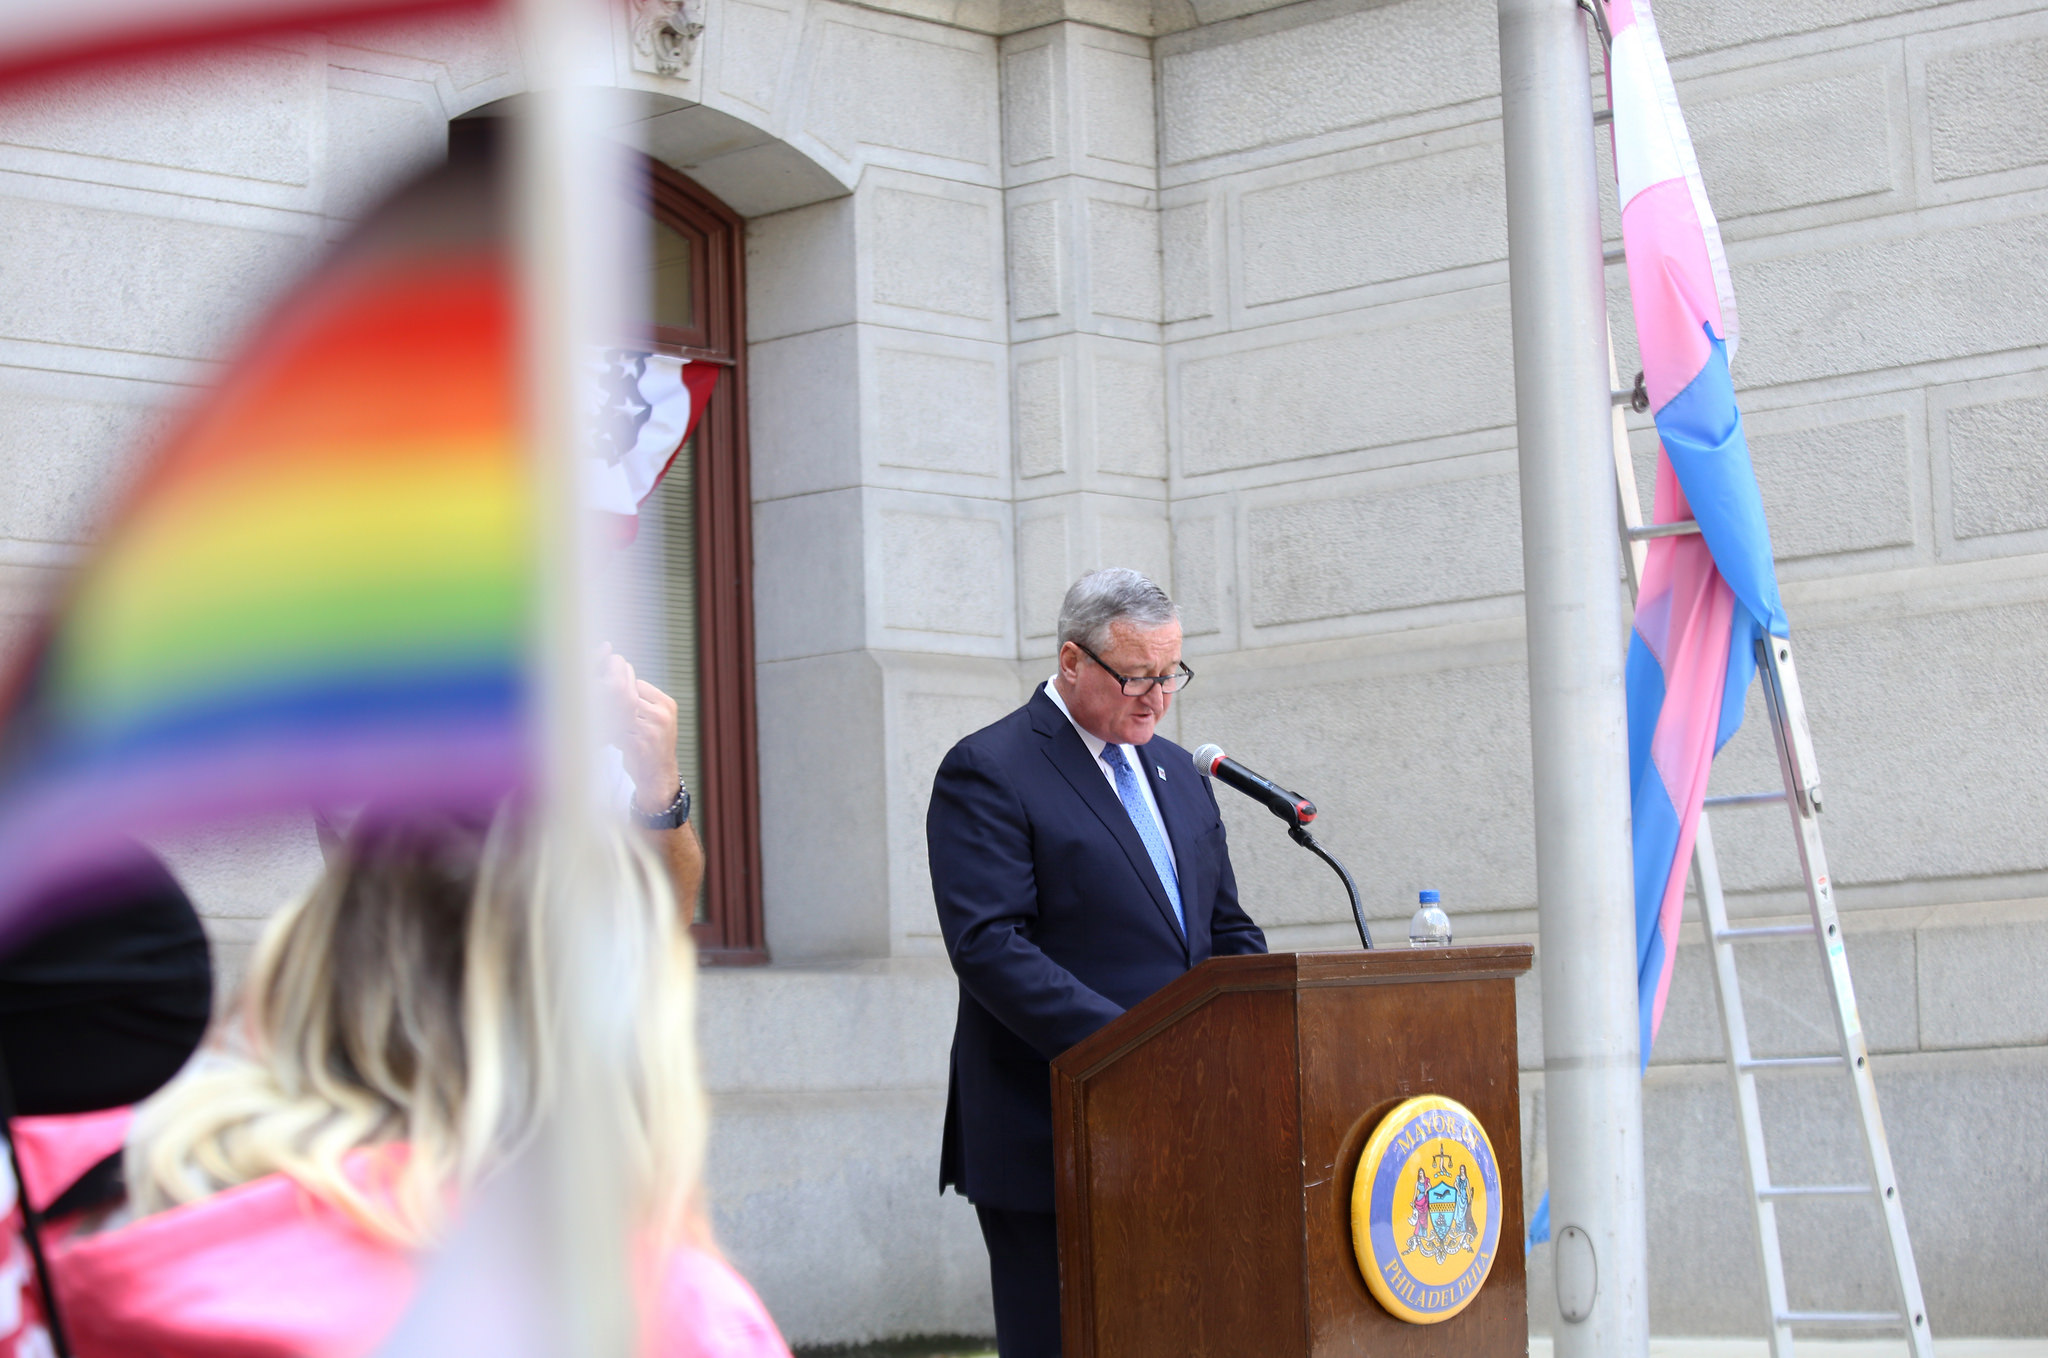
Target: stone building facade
column 1217, row 289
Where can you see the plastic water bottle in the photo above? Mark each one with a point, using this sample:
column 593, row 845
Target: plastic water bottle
column 1429, row 927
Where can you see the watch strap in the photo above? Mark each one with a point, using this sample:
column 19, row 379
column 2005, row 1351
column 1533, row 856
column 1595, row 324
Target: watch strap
column 674, row 817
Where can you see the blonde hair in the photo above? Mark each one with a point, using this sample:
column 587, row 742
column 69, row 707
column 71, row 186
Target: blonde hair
column 411, row 999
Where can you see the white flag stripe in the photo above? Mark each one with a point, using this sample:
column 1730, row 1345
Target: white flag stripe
column 619, row 487
column 1644, row 152
column 1654, row 97
column 661, row 386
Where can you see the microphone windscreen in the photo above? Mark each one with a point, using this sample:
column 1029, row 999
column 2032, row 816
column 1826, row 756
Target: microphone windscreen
column 1207, row 758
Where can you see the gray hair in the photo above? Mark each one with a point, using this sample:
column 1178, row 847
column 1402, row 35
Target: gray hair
column 1114, row 594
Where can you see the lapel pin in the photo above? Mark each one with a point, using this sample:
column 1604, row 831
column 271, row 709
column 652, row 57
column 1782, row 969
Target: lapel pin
column 1161, row 773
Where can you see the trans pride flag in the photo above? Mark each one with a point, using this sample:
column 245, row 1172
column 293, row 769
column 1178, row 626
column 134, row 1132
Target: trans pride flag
column 1705, row 598
column 322, row 592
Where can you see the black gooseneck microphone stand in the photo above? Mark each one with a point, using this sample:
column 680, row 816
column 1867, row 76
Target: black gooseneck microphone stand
column 1300, row 835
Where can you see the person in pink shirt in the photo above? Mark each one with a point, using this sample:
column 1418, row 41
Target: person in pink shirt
column 390, row 1055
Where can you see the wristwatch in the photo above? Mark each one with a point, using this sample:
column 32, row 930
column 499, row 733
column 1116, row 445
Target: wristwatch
column 677, row 814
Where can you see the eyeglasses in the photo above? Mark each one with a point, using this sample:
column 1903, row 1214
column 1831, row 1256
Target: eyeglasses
column 1137, row 686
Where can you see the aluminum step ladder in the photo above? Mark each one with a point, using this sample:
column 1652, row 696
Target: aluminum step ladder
column 1801, row 794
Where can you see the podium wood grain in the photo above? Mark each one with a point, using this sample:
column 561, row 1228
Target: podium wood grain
column 1206, row 1143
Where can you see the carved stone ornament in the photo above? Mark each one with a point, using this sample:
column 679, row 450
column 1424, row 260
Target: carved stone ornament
column 665, row 34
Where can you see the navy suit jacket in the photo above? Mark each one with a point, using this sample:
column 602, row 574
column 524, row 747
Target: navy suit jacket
column 1056, row 923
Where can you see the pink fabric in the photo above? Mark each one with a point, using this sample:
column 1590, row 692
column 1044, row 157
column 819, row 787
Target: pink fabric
column 21, row 1325
column 55, row 1151
column 1671, row 282
column 1620, row 14
column 707, row 1310
column 1688, row 609
column 265, row 1270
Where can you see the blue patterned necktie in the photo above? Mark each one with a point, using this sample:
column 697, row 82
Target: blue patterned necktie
column 1133, row 798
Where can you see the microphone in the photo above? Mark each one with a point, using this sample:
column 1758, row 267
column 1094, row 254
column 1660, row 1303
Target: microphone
column 1292, row 807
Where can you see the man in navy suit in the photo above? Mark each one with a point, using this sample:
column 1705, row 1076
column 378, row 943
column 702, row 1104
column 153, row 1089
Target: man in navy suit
column 1079, row 864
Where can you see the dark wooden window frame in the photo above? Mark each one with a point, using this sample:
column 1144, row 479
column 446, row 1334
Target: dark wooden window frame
column 732, row 935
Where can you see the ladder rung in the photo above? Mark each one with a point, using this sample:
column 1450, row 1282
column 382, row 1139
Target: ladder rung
column 1840, row 1318
column 1614, row 256
column 1764, row 931
column 1814, row 1191
column 1602, row 116
column 1660, row 530
column 1747, row 798
column 1788, row 1062
column 1790, row 734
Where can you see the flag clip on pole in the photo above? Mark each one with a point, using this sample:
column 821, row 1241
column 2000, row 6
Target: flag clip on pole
column 1577, row 719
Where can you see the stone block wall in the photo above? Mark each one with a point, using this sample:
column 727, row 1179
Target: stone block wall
column 1080, row 188
column 881, row 404
column 1344, row 502
column 1961, row 1064
column 1343, row 489
column 1215, row 288
column 828, row 1085
column 1342, row 422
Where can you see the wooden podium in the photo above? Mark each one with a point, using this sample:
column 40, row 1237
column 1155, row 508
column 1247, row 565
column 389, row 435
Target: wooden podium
column 1206, row 1142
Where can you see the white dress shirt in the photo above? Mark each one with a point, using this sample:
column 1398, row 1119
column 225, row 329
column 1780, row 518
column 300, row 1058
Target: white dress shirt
column 615, row 787
column 1096, row 745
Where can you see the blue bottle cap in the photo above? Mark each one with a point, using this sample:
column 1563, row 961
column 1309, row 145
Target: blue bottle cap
column 1429, row 898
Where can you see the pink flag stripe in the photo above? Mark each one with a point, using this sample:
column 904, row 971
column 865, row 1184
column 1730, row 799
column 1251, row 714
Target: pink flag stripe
column 1651, row 146
column 41, row 35
column 1697, row 608
column 1672, row 287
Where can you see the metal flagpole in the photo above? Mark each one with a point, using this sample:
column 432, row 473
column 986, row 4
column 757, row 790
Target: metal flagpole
column 1577, row 713
column 575, row 250
column 539, row 1265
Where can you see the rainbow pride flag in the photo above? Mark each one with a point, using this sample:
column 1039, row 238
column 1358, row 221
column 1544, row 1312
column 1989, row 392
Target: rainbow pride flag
column 321, row 592
column 36, row 38
column 1705, row 599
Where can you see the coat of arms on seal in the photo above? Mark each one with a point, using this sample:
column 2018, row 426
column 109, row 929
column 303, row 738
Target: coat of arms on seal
column 1440, row 1221
column 1426, row 1209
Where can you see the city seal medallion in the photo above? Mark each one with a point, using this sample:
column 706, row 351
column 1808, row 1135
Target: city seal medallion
column 1425, row 1209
